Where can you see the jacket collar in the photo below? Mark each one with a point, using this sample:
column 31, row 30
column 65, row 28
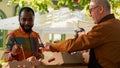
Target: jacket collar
column 110, row 16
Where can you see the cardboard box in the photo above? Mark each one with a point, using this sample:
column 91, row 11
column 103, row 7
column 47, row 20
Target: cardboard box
column 51, row 60
column 62, row 58
column 18, row 64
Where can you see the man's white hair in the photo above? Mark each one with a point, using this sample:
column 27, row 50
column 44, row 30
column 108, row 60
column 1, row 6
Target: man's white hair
column 105, row 3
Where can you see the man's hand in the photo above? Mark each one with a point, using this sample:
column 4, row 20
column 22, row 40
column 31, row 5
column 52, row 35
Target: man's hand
column 85, row 56
column 81, row 33
column 46, row 47
column 16, row 49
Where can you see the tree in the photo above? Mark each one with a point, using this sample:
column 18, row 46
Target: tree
column 116, row 7
column 43, row 5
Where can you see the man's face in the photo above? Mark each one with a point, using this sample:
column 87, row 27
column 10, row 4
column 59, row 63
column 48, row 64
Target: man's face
column 26, row 21
column 94, row 11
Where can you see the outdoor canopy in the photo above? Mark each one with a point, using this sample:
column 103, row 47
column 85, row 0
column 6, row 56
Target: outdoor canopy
column 61, row 21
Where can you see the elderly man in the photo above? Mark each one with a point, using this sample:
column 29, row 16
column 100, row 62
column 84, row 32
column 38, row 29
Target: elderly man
column 103, row 38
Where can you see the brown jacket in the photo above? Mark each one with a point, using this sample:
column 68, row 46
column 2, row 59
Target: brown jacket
column 104, row 38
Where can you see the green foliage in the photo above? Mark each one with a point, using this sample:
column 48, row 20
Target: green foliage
column 83, row 3
column 42, row 5
column 115, row 7
column 69, row 3
column 2, row 62
column 0, row 0
column 37, row 5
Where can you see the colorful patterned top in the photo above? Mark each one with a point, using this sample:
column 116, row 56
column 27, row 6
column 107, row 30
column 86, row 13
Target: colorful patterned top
column 29, row 43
